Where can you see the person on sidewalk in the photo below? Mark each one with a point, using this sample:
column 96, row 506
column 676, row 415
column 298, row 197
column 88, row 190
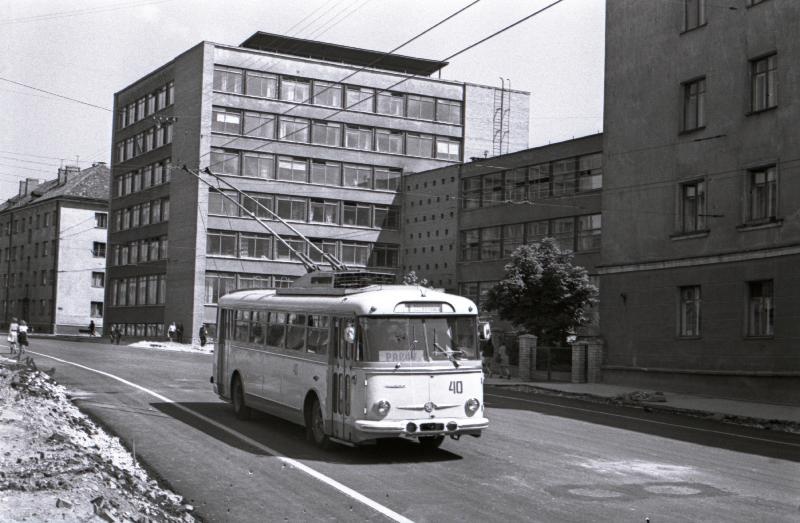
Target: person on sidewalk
column 172, row 331
column 22, row 336
column 92, row 328
column 203, row 334
column 179, row 332
column 504, row 360
column 13, row 332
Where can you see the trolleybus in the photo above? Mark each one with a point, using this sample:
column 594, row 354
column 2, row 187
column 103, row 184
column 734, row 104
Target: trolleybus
column 353, row 363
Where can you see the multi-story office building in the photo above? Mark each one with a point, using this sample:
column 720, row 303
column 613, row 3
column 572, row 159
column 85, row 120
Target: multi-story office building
column 53, row 251
column 320, row 134
column 701, row 237
column 462, row 222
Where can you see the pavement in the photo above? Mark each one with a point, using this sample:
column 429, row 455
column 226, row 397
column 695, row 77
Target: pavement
column 765, row 415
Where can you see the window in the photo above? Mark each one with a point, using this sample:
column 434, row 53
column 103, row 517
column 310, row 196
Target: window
column 689, row 322
column 218, row 284
column 419, row 145
column 221, row 204
column 357, row 214
column 391, row 104
column 563, row 231
column 226, row 121
column 516, row 185
column 228, row 80
column 694, row 13
column 261, row 84
column 326, row 173
column 513, row 237
column 221, row 243
column 448, row 111
column 96, row 309
column 389, row 141
column 359, row 99
column 327, row 246
column 764, row 83
column 282, row 252
column 421, row 107
column 358, row 138
column 256, row 203
column 491, row 189
column 259, row 125
column 224, row 162
column 564, row 176
column 355, row 254
column 589, row 232
column 291, row 208
column 447, row 149
column 471, row 192
column 257, row 165
column 99, row 249
column 763, row 194
column 292, row 169
column 760, row 311
column 384, row 256
column 100, row 220
column 324, row 211
column 490, row 243
column 470, row 245
column 590, row 172
column 693, row 202
column 295, row 90
column 324, row 133
column 357, row 176
column 387, row 179
column 255, row 246
column 694, row 102
column 327, row 94
column 98, row 279
column 293, row 129
column 386, row 217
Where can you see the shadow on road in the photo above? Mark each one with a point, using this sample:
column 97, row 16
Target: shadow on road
column 289, row 439
column 710, row 433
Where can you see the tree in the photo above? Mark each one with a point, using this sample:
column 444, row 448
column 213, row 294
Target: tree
column 411, row 278
column 543, row 293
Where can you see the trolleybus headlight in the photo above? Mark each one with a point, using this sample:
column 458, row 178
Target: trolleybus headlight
column 382, row 407
column 471, row 406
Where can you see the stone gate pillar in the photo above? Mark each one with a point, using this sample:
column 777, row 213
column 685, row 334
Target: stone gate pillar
column 527, row 356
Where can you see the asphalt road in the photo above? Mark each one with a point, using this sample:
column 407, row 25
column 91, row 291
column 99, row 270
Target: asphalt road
column 543, row 458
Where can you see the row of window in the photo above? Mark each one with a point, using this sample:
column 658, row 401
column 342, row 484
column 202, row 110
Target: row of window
column 760, row 320
column 141, row 214
column 144, row 142
column 265, row 247
column 221, row 283
column 139, row 290
column 139, row 251
column 763, row 92
column 534, row 182
column 328, row 94
column 294, row 169
column 574, row 233
column 147, row 105
column 312, row 210
column 761, row 197
column 334, row 134
column 24, row 279
column 13, row 253
column 157, row 173
column 18, row 225
column 14, row 307
column 150, row 330
column 282, row 330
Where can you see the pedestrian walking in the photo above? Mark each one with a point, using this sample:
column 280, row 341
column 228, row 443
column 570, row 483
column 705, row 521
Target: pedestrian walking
column 13, row 332
column 92, row 328
column 22, row 336
column 203, row 334
column 172, row 331
column 179, row 332
column 503, row 360
column 486, row 358
column 116, row 334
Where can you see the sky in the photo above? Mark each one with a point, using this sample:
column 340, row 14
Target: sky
column 89, row 49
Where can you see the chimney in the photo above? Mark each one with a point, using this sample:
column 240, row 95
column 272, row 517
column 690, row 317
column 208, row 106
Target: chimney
column 27, row 185
column 65, row 172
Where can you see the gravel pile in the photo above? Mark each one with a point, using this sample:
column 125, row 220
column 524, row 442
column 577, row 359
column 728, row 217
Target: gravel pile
column 57, row 465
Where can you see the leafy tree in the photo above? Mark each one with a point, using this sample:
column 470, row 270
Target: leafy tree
column 543, row 293
column 411, row 278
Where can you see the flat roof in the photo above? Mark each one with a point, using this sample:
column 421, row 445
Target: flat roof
column 341, row 54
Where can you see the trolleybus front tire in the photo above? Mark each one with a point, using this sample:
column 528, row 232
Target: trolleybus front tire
column 315, row 426
column 241, row 410
column 431, row 442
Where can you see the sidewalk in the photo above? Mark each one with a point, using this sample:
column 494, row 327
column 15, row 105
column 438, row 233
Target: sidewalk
column 764, row 415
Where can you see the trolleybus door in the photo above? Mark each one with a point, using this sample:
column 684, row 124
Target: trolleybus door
column 340, row 379
column 221, row 353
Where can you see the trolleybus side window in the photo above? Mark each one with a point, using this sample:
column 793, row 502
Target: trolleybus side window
column 296, row 334
column 241, row 326
column 277, row 329
column 318, row 334
column 257, row 327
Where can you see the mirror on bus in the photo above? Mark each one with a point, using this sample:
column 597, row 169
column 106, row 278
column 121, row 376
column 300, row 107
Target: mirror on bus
column 484, row 330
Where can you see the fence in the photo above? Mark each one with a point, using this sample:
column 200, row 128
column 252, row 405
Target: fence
column 556, row 362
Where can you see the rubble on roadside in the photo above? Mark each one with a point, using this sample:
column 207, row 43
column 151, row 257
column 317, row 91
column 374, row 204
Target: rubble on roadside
column 56, row 464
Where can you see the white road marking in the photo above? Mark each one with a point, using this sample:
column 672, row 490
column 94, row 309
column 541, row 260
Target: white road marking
column 386, row 511
column 644, row 420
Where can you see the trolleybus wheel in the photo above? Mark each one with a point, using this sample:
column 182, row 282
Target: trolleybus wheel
column 241, row 410
column 315, row 427
column 431, row 442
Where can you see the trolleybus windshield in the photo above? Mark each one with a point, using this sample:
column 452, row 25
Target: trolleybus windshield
column 419, row 338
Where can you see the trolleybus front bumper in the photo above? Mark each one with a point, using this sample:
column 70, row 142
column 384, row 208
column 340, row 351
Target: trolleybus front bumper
column 422, row 427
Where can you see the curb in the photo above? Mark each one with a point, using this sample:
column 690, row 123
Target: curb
column 776, row 425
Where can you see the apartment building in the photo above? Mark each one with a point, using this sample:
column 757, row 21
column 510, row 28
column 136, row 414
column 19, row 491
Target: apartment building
column 701, row 222
column 320, row 134
column 53, row 251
